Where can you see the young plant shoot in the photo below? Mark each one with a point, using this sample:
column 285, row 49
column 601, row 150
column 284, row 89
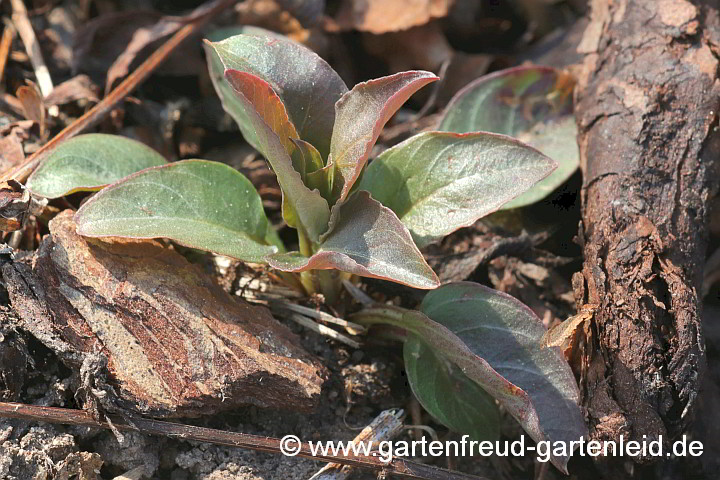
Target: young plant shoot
column 317, row 137
column 355, row 217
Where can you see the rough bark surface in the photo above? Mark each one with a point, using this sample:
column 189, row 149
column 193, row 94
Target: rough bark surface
column 175, row 343
column 647, row 109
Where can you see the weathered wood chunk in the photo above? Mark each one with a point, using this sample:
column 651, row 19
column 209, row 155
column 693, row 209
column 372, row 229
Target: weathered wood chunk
column 176, row 343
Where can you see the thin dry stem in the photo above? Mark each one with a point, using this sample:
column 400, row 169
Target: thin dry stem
column 27, row 34
column 5, row 44
column 398, row 467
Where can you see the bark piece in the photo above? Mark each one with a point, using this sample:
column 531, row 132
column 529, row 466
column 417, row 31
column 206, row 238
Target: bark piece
column 14, row 358
column 647, row 111
column 176, row 343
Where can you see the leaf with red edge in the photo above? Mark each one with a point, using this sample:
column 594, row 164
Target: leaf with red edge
column 262, row 109
column 368, row 240
column 307, row 85
column 360, row 116
column 497, row 343
column 437, row 182
column 196, row 203
column 266, row 103
column 531, row 103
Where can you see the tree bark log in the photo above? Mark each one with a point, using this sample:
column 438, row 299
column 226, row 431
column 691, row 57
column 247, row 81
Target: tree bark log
column 647, row 107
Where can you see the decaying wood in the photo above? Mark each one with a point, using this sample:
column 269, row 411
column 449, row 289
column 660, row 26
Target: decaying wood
column 14, row 358
column 175, row 343
column 647, row 109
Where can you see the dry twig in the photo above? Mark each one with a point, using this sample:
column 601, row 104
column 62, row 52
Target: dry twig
column 386, row 426
column 398, row 467
column 27, row 34
column 5, row 44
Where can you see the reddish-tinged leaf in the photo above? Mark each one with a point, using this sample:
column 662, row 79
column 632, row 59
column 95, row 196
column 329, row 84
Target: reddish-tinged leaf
column 437, row 182
column 360, row 116
column 533, row 104
column 300, row 204
column 496, row 341
column 197, row 203
column 307, row 85
column 368, row 240
column 266, row 104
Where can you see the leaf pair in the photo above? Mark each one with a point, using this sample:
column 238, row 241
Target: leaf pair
column 467, row 341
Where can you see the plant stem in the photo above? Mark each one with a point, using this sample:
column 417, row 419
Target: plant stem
column 381, row 314
column 305, row 246
column 327, row 282
column 330, row 284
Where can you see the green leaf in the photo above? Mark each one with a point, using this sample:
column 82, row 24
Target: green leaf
column 307, row 85
column 496, row 341
column 448, row 395
column 196, row 203
column 89, row 162
column 306, row 158
column 437, row 182
column 360, row 116
column 368, row 240
column 266, row 114
column 533, row 104
column 320, row 180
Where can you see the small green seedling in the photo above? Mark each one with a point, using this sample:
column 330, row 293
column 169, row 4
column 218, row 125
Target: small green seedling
column 466, row 346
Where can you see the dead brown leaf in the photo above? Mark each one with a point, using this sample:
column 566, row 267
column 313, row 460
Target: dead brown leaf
column 145, row 36
column 381, row 16
column 15, row 206
column 11, row 148
column 110, row 44
column 565, row 334
column 307, row 12
column 32, row 104
column 424, row 47
column 100, row 41
column 80, row 87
